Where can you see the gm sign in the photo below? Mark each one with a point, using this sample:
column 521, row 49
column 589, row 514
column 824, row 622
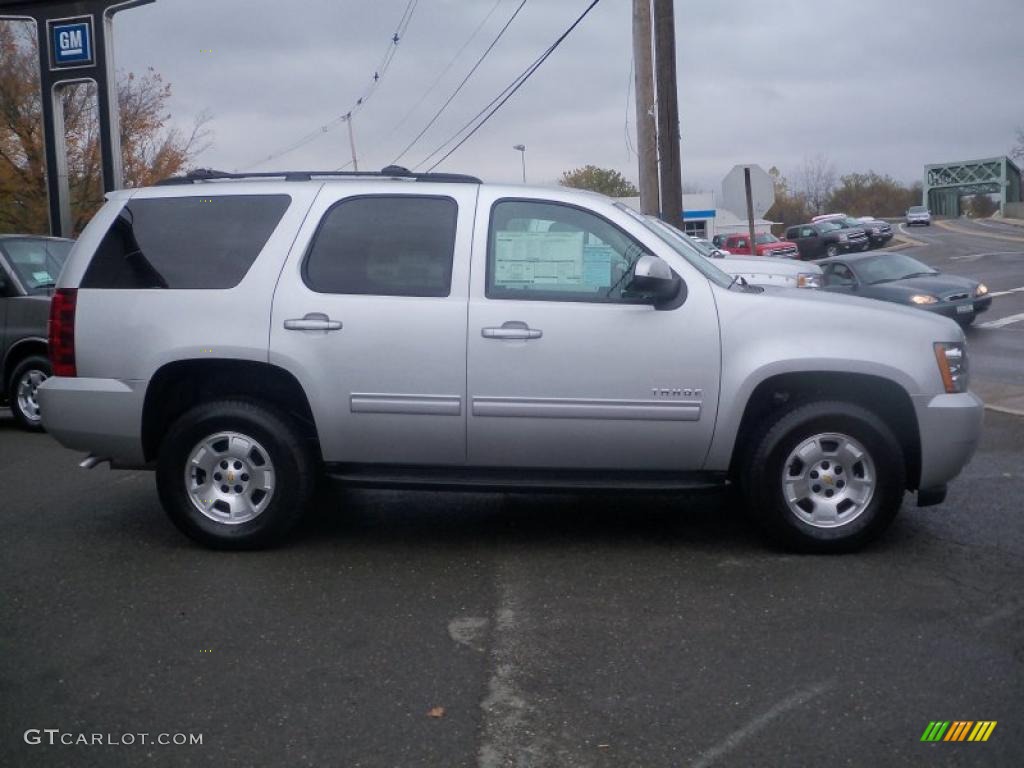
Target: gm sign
column 70, row 42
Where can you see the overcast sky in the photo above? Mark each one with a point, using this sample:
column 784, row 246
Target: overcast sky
column 872, row 84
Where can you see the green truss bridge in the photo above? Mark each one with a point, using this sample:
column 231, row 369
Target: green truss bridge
column 946, row 183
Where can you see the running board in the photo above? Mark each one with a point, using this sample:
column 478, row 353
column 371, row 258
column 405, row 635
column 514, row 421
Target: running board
column 523, row 480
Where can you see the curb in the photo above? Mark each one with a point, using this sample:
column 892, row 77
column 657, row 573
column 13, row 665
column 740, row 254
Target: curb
column 995, row 395
column 950, row 227
column 1003, row 409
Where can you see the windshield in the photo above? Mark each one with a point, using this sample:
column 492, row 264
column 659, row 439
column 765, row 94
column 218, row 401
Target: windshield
column 852, row 222
column 828, row 226
column 766, row 238
column 681, row 244
column 891, row 266
column 918, row 209
column 36, row 261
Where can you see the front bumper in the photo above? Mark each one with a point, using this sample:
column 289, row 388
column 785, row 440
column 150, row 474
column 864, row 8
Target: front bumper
column 98, row 416
column 881, row 237
column 950, row 426
column 952, row 309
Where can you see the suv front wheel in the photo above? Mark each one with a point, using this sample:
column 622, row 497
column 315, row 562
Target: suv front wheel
column 825, row 476
column 235, row 474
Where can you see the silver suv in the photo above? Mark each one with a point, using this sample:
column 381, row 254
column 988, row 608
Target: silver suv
column 240, row 335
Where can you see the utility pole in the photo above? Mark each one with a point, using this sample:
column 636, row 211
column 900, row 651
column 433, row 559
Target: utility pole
column 352, row 142
column 750, row 209
column 668, row 112
column 646, row 125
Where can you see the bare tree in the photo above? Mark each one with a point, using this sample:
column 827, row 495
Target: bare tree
column 815, row 181
column 1017, row 153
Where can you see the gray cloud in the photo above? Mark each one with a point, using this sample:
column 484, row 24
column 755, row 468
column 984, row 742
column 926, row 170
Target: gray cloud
column 873, row 84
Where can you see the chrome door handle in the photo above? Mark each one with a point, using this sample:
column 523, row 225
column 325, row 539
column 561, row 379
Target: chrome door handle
column 314, row 321
column 513, row 329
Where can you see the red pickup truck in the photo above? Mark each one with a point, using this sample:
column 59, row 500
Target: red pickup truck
column 764, row 245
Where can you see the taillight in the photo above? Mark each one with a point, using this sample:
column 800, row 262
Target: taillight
column 62, row 331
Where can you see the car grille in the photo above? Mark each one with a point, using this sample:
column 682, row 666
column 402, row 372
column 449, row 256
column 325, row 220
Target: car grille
column 789, row 250
column 956, row 296
column 857, row 236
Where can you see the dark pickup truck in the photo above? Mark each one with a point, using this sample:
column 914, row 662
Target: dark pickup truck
column 29, row 266
column 822, row 239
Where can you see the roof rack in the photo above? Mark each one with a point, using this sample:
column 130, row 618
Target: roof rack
column 390, row 172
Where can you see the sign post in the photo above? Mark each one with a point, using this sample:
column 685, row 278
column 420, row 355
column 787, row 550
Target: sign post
column 75, row 46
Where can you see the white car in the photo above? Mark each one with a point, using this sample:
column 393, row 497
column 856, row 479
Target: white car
column 918, row 215
column 756, row 270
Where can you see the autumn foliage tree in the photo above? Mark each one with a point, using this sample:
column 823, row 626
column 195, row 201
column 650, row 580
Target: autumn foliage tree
column 872, row 194
column 607, row 181
column 150, row 148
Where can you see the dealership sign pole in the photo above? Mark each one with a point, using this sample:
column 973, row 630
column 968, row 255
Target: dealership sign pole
column 75, row 46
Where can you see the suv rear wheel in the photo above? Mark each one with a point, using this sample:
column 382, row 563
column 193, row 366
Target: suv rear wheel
column 21, row 391
column 826, row 476
column 234, row 474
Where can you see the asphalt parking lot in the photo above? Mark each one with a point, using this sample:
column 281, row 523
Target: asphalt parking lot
column 435, row 629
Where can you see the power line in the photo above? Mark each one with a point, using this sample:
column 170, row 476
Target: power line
column 448, row 66
column 455, row 93
column 360, row 102
column 498, row 101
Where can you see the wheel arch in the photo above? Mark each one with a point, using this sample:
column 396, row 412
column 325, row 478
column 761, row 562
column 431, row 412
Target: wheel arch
column 18, row 351
column 883, row 396
column 180, row 385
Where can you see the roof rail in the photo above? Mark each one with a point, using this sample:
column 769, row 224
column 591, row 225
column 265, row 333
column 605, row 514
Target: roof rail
column 390, row 172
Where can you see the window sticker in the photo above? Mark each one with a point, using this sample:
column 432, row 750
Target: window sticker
column 597, row 266
column 526, row 259
column 42, row 277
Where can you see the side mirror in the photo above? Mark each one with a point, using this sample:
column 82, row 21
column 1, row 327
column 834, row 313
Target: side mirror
column 650, row 276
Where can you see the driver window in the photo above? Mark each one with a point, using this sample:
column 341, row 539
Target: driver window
column 556, row 252
column 839, row 274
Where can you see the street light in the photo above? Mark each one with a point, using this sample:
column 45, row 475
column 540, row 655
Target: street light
column 522, row 149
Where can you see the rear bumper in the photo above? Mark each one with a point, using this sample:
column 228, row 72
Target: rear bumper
column 98, row 416
column 950, row 427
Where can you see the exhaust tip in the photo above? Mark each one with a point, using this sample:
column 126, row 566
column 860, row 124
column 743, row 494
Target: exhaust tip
column 91, row 461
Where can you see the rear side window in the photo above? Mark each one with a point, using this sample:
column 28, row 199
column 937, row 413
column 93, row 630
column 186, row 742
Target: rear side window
column 384, row 245
column 185, row 242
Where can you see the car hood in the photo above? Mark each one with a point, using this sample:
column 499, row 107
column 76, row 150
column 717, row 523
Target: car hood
column 938, row 285
column 762, row 264
column 880, row 317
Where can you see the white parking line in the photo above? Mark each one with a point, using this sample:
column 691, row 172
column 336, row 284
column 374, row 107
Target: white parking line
column 1003, row 321
column 1007, row 292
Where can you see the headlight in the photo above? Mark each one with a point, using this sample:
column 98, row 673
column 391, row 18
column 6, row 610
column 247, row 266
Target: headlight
column 922, row 298
column 952, row 359
column 843, row 237
column 808, row 280
column 981, row 290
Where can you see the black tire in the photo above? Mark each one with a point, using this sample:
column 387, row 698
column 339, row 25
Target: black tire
column 966, row 321
column 294, row 473
column 831, row 250
column 761, row 478
column 27, row 414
